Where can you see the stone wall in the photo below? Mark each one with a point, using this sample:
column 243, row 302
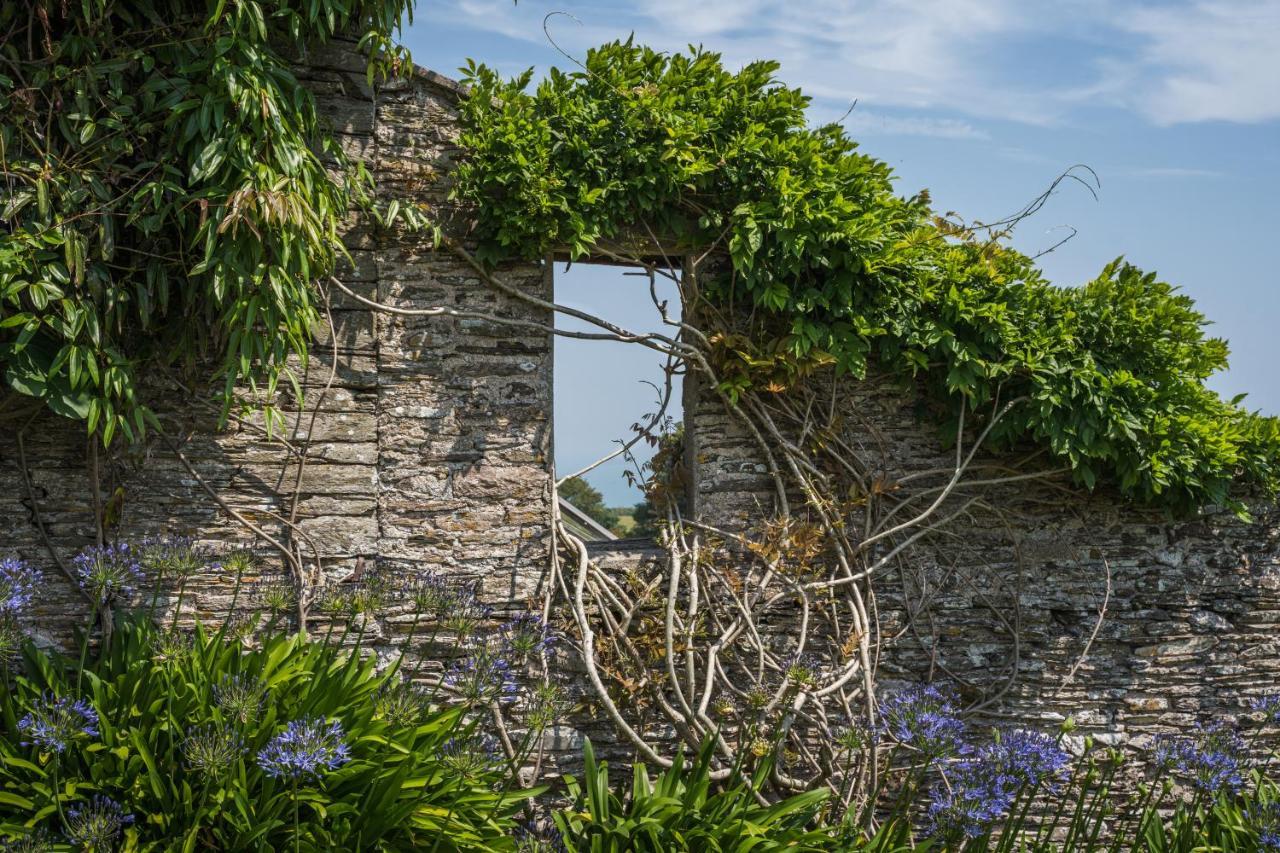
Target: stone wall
column 430, row 447
column 1192, row 619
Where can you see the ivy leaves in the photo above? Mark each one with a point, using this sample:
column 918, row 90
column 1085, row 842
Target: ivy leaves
column 828, row 268
column 167, row 197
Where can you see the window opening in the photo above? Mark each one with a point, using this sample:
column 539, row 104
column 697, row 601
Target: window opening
column 609, row 398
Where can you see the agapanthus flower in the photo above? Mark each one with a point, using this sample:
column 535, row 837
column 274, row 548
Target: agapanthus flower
column 1019, row 758
column 1264, row 818
column 482, row 679
column 856, row 736
column 465, row 614
column 333, row 599
column 966, row 806
column 526, row 635
column 212, row 749
column 1211, row 762
column 472, row 756
column 170, row 646
column 19, row 581
column 371, row 594
column 108, row 573
column 238, row 562
column 54, row 723
column 276, row 594
column 430, row 593
column 1269, row 706
column 242, row 625
column 309, row 747
column 924, row 718
column 97, row 823
column 240, row 697
column 402, row 704
column 174, row 556
column 803, row 671
column 539, row 836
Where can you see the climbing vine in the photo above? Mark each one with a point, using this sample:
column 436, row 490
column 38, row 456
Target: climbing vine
column 168, row 194
column 827, row 268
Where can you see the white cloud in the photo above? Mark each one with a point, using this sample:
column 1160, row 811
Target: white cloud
column 1208, row 61
column 866, row 123
column 1032, row 62
column 926, row 54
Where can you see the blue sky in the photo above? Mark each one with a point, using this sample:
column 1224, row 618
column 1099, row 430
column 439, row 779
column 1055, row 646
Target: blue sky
column 1176, row 106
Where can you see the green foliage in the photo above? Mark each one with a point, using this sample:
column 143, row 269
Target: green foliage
column 396, row 793
column 588, row 498
column 166, row 197
column 683, row 809
column 840, row 272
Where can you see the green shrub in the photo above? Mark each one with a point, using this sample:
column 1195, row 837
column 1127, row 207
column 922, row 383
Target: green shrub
column 172, row 194
column 683, row 809
column 173, row 729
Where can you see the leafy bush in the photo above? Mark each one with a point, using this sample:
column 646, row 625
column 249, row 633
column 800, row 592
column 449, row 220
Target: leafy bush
column 167, row 195
column 186, row 743
column 683, row 809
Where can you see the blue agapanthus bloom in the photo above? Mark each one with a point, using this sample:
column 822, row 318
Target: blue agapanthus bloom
column 108, row 573
column 53, row 723
column 968, row 805
column 175, row 556
column 309, row 747
column 19, row 581
column 986, row 784
column 482, row 679
column 97, row 823
column 1269, row 706
column 1212, row 761
column 465, row 613
column 924, row 718
column 1019, row 758
column 526, row 635
column 1265, row 820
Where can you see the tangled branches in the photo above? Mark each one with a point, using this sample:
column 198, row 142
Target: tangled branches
column 764, row 639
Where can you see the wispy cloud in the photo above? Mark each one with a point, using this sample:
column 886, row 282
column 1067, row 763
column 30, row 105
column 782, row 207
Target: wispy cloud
column 866, row 123
column 1036, row 63
column 1208, row 61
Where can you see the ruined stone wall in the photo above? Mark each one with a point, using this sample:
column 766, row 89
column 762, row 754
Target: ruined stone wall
column 1003, row 604
column 429, row 448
